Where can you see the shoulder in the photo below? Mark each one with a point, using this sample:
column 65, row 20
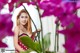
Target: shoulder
column 16, row 29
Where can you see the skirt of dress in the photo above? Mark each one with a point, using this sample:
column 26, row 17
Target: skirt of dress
column 22, row 45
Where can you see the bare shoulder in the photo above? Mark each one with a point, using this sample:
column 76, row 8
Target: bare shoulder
column 16, row 29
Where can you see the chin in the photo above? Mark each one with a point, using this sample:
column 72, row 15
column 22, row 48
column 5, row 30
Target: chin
column 24, row 24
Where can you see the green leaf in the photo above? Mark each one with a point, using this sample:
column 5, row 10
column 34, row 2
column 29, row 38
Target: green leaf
column 22, row 52
column 27, row 41
column 27, row 51
column 47, row 40
column 37, row 46
column 50, row 52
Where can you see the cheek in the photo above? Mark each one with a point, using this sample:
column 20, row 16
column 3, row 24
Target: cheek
column 26, row 19
column 20, row 20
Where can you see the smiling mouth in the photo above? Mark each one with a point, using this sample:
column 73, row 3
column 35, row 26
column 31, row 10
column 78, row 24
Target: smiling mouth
column 24, row 21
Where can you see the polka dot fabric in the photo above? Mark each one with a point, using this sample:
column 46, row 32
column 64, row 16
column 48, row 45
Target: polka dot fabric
column 22, row 45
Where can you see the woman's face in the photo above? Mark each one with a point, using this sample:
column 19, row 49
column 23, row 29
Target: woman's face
column 23, row 18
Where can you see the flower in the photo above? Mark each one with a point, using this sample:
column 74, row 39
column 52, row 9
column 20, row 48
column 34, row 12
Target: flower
column 56, row 1
column 48, row 7
column 65, row 13
column 78, row 5
column 5, row 20
column 72, row 46
column 67, row 19
column 2, row 44
column 72, row 42
column 72, row 34
column 34, row 2
column 51, row 7
column 11, row 4
column 6, row 25
column 2, row 3
column 17, row 2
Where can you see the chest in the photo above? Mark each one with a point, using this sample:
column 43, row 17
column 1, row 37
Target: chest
column 24, row 32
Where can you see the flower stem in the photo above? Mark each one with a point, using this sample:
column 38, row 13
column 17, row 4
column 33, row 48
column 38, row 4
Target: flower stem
column 41, row 30
column 35, row 28
column 56, row 46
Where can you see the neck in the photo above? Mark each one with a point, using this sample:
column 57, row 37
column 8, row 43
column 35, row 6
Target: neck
column 22, row 26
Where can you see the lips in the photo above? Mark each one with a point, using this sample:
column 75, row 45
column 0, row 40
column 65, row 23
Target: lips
column 24, row 21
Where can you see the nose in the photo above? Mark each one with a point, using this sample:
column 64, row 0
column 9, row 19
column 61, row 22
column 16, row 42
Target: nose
column 24, row 18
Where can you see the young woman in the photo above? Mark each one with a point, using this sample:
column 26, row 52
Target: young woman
column 22, row 28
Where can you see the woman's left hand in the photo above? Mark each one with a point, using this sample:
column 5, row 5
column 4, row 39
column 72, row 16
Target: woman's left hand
column 36, row 31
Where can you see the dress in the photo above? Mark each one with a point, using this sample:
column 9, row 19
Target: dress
column 21, row 44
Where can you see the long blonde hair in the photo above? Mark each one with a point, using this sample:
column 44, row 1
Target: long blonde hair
column 28, row 24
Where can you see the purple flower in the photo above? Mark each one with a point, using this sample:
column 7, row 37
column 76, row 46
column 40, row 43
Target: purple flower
column 34, row 2
column 5, row 26
column 11, row 4
column 72, row 42
column 56, row 1
column 65, row 13
column 49, row 7
column 2, row 3
column 52, row 7
column 72, row 34
column 18, row 3
column 67, row 19
column 78, row 5
column 68, row 7
column 2, row 45
column 72, row 46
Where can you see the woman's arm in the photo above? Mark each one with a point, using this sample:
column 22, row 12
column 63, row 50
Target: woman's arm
column 16, row 32
column 34, row 33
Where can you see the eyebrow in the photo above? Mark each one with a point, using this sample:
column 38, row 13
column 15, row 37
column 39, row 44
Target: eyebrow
column 25, row 15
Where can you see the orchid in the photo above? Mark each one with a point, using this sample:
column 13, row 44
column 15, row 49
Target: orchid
column 34, row 2
column 17, row 3
column 2, row 44
column 72, row 47
column 64, row 10
column 49, row 7
column 5, row 27
column 78, row 5
column 72, row 34
column 2, row 3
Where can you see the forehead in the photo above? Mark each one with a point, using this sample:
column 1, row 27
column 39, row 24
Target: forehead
column 24, row 14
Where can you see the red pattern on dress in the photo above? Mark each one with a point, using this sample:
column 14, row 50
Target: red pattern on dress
column 22, row 45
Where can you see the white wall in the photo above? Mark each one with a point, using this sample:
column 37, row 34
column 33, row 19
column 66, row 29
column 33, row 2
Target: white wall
column 49, row 26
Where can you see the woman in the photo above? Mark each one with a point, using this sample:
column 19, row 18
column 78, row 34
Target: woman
column 23, row 28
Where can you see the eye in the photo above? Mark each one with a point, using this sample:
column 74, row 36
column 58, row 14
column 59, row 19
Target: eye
column 26, row 17
column 22, row 17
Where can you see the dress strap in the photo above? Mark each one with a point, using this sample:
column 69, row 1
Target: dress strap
column 23, row 34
